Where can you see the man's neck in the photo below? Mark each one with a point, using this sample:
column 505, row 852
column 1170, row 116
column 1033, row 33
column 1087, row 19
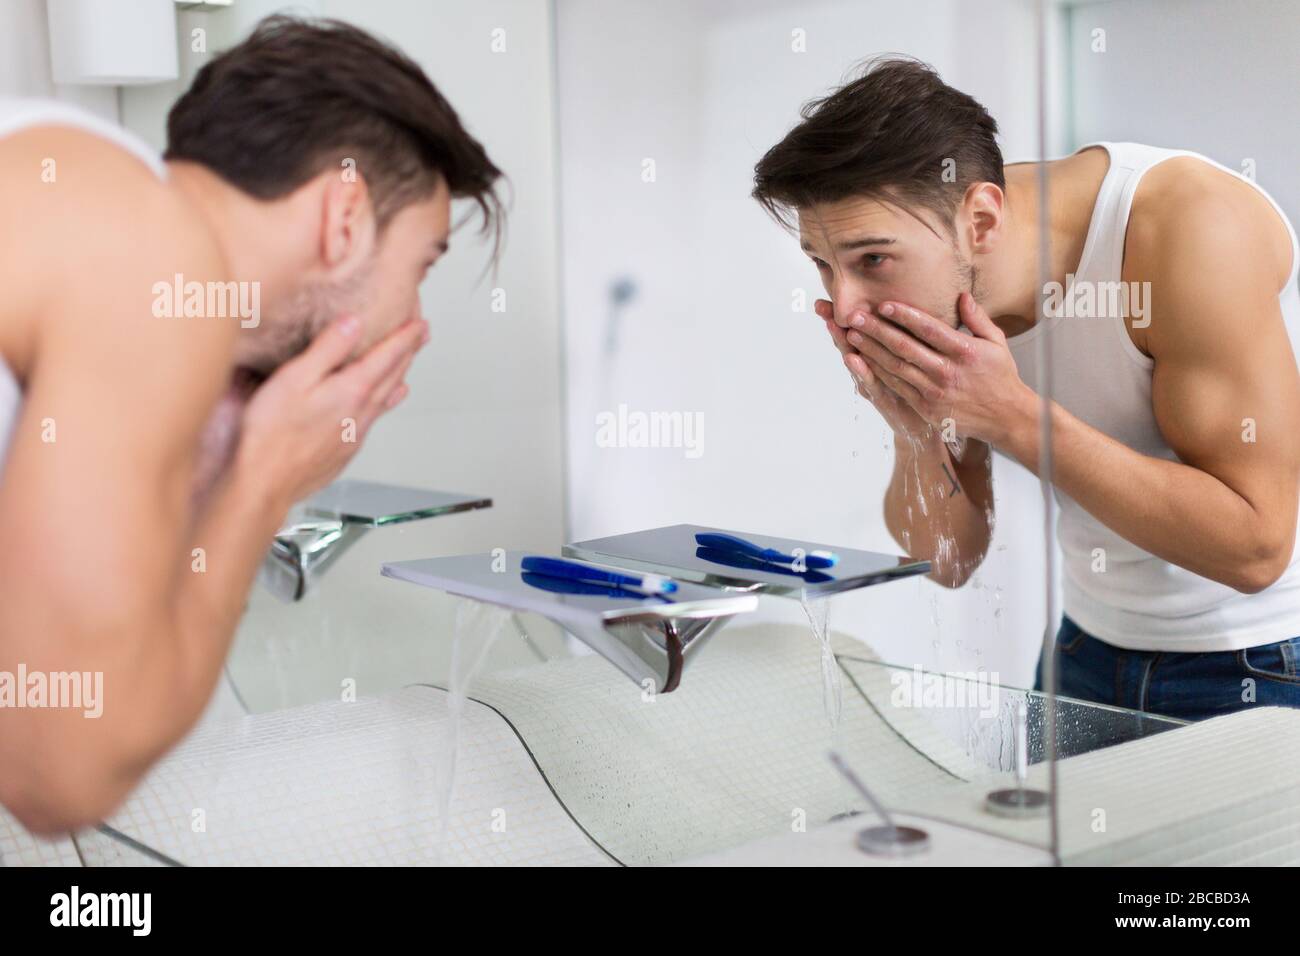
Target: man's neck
column 258, row 244
column 1009, row 278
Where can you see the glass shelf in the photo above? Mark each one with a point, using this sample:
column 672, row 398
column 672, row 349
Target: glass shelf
column 374, row 505
column 674, row 551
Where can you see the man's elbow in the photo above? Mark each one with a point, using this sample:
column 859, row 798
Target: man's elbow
column 1263, row 568
column 59, row 786
column 951, row 575
column 47, row 807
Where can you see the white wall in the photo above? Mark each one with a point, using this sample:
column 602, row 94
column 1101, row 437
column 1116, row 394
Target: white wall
column 1217, row 78
column 703, row 89
column 25, row 61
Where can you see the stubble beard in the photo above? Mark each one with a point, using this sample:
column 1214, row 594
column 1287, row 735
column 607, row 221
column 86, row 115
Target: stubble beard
column 311, row 310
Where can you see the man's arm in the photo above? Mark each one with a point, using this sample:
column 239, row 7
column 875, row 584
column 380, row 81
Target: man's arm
column 940, row 508
column 99, row 570
column 1226, row 395
column 95, row 494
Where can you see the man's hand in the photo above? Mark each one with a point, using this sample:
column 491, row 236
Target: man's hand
column 904, row 422
column 311, row 416
column 942, row 374
column 952, row 531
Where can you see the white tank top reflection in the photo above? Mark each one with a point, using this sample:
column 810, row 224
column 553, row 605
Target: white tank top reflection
column 19, row 114
column 1139, row 601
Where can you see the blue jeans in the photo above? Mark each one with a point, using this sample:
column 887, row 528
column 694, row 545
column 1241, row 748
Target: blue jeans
column 1191, row 686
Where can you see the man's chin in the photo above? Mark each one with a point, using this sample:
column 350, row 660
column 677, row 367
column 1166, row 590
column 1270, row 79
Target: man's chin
column 275, row 346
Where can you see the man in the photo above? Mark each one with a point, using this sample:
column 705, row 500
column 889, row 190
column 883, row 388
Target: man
column 308, row 177
column 1176, row 400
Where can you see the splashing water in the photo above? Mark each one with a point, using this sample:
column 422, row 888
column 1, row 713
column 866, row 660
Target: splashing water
column 818, row 613
column 920, row 488
column 477, row 628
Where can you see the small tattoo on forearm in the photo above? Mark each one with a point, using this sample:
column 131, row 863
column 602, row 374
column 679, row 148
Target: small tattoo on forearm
column 956, row 488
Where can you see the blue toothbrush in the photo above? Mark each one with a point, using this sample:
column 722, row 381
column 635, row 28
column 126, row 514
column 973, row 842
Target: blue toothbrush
column 649, row 584
column 734, row 559
column 566, row 586
column 813, row 560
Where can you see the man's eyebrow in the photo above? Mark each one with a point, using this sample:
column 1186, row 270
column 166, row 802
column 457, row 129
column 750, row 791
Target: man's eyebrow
column 850, row 244
column 865, row 241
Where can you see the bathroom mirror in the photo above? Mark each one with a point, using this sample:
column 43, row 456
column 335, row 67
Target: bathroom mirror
column 872, row 440
column 647, row 355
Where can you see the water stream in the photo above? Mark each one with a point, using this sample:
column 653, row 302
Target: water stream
column 818, row 613
column 477, row 627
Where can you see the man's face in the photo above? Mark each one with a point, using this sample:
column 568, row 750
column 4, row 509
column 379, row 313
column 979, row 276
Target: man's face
column 414, row 239
column 868, row 252
column 381, row 287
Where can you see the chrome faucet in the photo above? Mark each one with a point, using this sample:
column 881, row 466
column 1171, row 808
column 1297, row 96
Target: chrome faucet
column 649, row 639
column 337, row 517
column 646, row 637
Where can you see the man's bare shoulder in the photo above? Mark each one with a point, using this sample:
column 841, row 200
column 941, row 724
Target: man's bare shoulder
column 96, row 221
column 1187, row 207
column 94, row 187
column 1214, row 255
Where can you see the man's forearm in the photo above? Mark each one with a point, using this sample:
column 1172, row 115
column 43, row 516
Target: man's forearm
column 222, row 556
column 1174, row 511
column 231, row 539
column 939, row 508
column 158, row 669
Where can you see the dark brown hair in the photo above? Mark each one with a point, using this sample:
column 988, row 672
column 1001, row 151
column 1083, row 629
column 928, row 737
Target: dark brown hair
column 299, row 96
column 885, row 134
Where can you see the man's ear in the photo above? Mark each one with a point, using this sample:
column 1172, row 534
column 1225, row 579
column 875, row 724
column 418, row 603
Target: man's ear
column 984, row 205
column 347, row 222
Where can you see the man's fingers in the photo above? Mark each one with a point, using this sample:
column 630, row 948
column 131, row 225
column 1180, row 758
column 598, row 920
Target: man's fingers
column 938, row 335
column 853, row 318
column 858, row 369
column 837, row 336
column 395, row 378
column 384, row 391
column 900, row 388
column 328, row 350
column 901, row 345
column 977, row 320
column 367, row 372
column 395, row 397
column 899, row 368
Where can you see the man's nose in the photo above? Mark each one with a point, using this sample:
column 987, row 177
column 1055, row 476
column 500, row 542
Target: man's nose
column 847, row 306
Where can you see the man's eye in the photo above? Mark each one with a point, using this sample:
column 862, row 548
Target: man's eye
column 873, row 259
column 819, row 264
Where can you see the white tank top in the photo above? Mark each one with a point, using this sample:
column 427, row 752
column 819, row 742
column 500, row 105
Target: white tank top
column 15, row 115
column 1139, row 601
